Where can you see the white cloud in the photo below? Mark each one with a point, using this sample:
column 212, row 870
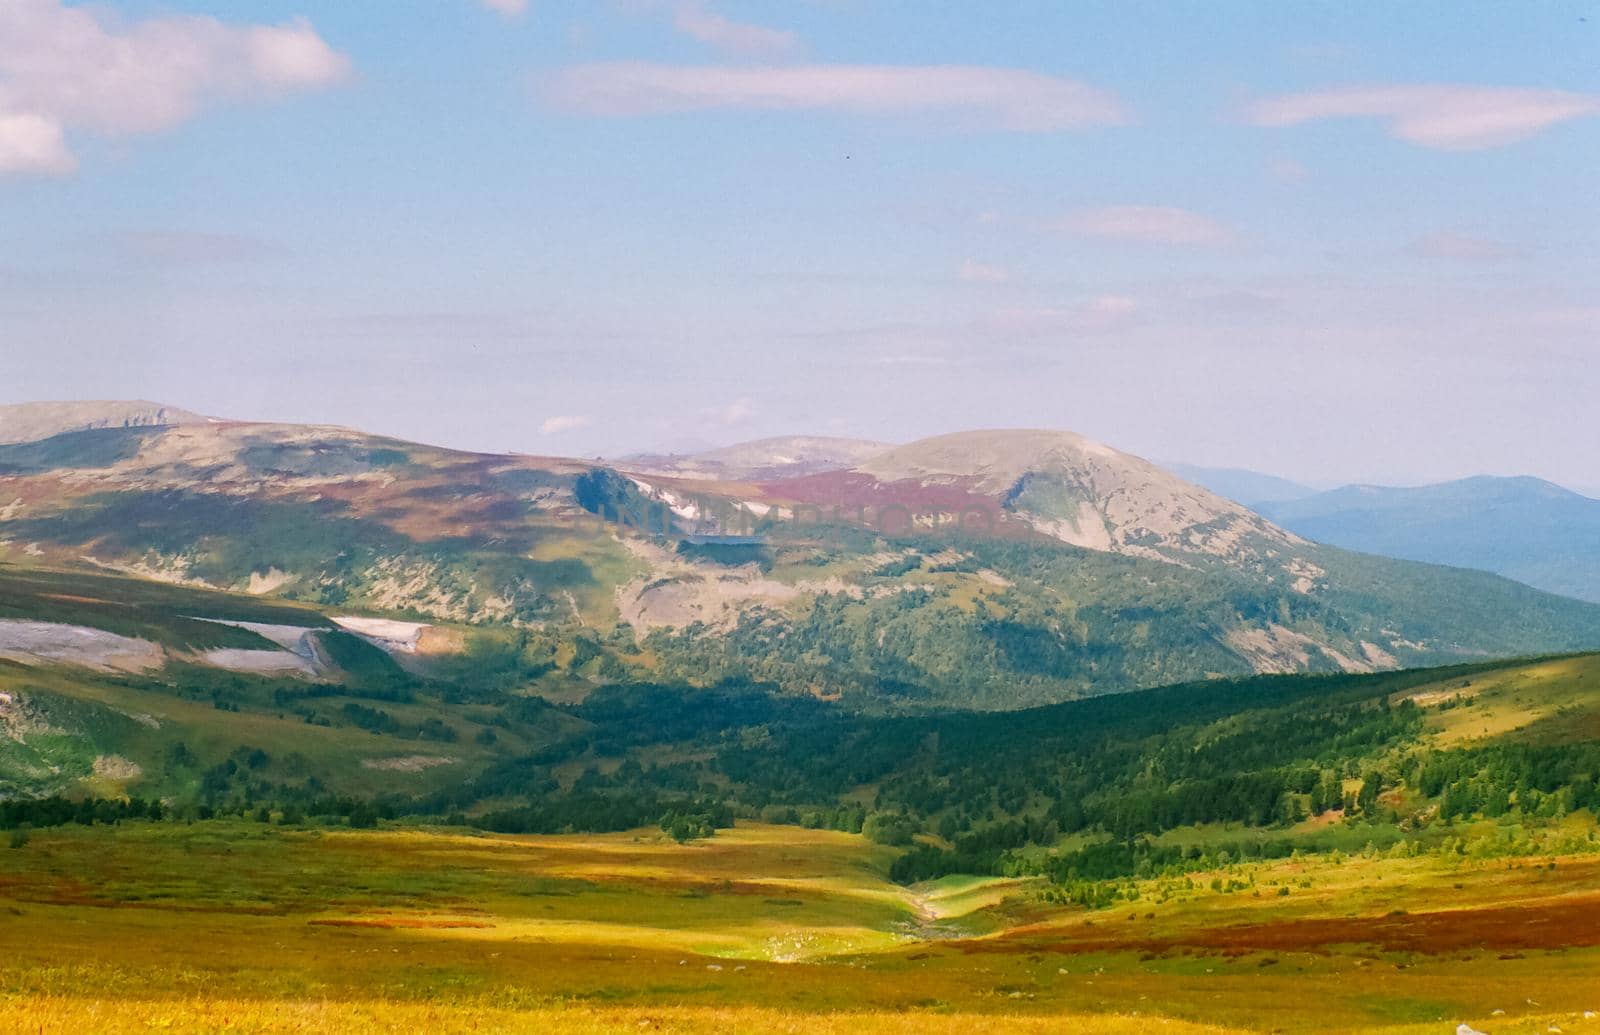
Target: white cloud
column 33, row 143
column 1448, row 118
column 710, row 419
column 560, row 424
column 996, row 98
column 1112, row 305
column 1147, row 224
column 81, row 70
column 736, row 412
column 1448, row 245
column 975, row 272
column 508, row 8
column 695, row 19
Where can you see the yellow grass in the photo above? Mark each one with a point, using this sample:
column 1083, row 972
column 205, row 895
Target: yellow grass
column 1505, row 702
column 231, row 926
column 54, row 1014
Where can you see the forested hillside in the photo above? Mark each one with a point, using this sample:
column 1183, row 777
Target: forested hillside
column 379, row 730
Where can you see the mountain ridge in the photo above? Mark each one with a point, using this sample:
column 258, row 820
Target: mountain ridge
column 1525, row 528
column 762, row 459
column 1081, row 491
column 1102, row 571
column 1241, row 484
column 35, row 421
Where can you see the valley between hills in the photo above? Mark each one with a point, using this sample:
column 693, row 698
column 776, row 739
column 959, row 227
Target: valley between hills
column 304, row 728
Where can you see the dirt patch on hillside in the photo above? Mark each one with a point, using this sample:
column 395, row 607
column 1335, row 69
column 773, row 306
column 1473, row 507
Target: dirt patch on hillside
column 1305, row 574
column 268, row 582
column 20, row 719
column 401, row 584
column 1276, row 649
column 115, row 767
column 434, row 640
column 407, row 763
column 677, row 593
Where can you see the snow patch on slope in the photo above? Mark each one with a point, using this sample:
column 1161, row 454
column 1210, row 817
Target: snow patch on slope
column 44, row 643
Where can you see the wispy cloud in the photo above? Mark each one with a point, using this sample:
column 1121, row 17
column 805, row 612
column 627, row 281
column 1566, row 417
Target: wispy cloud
column 995, row 98
column 1112, row 306
column 79, row 70
column 183, row 248
column 1098, row 313
column 1147, row 224
column 563, row 423
column 1448, row 245
column 507, row 8
column 736, row 412
column 696, row 19
column 974, row 272
column 1447, row 118
column 908, row 359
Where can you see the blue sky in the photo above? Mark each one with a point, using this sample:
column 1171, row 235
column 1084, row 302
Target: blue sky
column 1335, row 241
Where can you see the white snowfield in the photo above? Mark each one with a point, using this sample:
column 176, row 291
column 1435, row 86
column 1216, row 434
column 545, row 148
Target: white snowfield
column 34, row 643
column 293, row 638
column 269, row 662
column 55, row 643
column 299, row 654
column 387, row 633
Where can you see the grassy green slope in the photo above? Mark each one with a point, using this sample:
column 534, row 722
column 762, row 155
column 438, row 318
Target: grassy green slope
column 1098, row 785
column 188, row 731
column 169, row 615
column 1065, row 622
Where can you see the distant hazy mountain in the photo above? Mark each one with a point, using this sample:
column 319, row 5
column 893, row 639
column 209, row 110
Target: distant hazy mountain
column 1523, row 528
column 32, row 422
column 1242, row 486
column 761, row 460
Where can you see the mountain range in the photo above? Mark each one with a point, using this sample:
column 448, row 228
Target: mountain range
column 985, row 569
column 1245, row 486
column 1526, row 529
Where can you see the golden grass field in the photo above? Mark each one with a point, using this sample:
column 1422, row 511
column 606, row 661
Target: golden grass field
column 235, row 926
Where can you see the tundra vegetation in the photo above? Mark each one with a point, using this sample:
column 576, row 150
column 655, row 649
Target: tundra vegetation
column 341, row 732
column 430, row 843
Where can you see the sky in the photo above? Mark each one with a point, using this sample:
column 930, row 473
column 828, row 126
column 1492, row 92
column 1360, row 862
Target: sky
column 1338, row 242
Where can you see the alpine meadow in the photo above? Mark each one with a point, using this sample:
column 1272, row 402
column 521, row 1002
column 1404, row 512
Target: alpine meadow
column 738, row 516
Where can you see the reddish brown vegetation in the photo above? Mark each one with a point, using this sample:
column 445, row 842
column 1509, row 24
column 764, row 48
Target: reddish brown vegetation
column 1569, row 922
